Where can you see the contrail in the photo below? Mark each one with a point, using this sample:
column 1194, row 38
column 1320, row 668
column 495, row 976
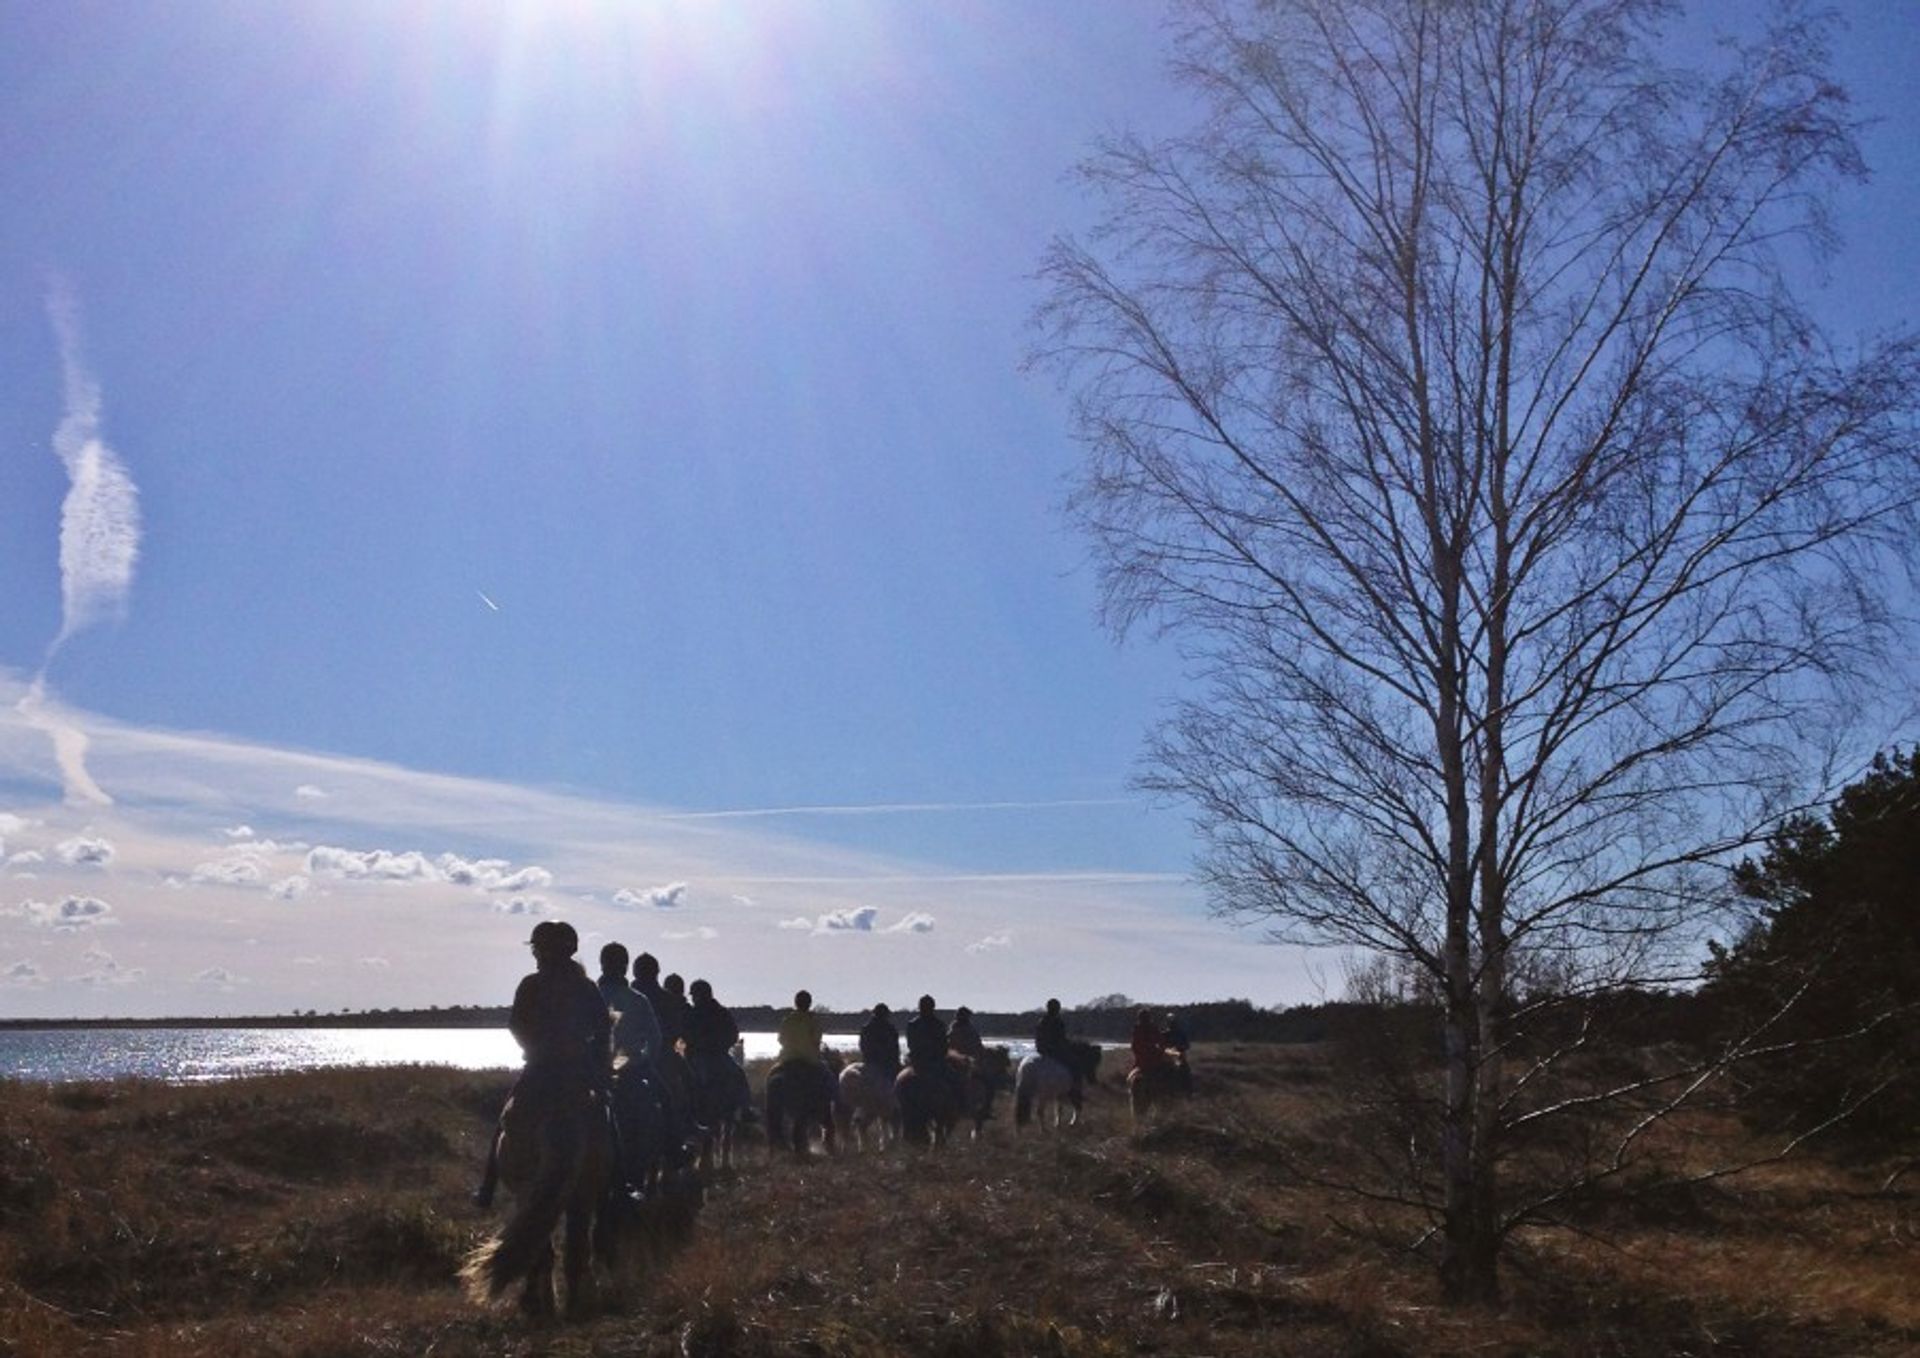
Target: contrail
column 485, row 600
column 69, row 746
column 99, row 540
column 892, row 808
column 100, row 518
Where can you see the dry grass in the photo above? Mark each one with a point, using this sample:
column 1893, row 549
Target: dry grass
column 325, row 1214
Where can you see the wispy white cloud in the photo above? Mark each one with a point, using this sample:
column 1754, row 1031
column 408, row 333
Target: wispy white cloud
column 1145, row 933
column 23, row 972
column 310, row 792
column 798, row 922
column 669, row 897
column 990, row 942
column 705, row 931
column 232, row 870
column 218, row 977
column 105, row 971
column 238, row 832
column 100, row 519
column 522, row 905
column 290, row 888
column 915, row 922
column 892, row 809
column 374, row 963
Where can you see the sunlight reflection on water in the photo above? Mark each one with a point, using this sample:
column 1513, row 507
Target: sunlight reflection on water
column 190, row 1055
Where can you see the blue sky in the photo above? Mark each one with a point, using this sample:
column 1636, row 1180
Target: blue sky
column 687, row 335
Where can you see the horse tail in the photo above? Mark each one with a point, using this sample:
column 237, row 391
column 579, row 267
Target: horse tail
column 511, row 1255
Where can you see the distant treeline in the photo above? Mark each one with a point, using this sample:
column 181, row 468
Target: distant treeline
column 1107, row 1020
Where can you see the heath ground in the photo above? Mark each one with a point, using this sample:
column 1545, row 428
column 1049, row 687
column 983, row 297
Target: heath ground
column 327, row 1213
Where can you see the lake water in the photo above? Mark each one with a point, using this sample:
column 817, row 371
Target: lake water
column 196, row 1054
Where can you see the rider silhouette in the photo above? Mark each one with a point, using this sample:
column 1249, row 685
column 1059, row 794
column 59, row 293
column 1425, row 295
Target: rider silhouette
column 800, row 1037
column 637, row 1102
column 1178, row 1043
column 564, row 1031
column 927, row 1046
column 636, row 1029
column 1050, row 1040
column 1148, row 1043
column 880, row 1043
column 964, row 1038
column 710, row 1033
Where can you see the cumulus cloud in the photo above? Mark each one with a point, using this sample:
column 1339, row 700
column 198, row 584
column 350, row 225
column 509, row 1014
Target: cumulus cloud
column 705, row 931
column 522, row 905
column 308, row 792
column 370, row 865
column 491, row 874
column 83, row 850
column 669, row 897
column 798, row 922
column 915, row 922
column 990, row 942
column 11, row 824
column 289, row 888
column 384, row 865
column 216, row 976
column 106, row 971
column 73, row 913
column 856, row 919
column 238, row 832
column 22, row 972
column 233, row 870
column 25, row 858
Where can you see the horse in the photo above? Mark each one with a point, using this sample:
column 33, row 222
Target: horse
column 556, row 1156
column 992, row 1072
column 868, row 1101
column 1043, row 1083
column 719, row 1095
column 1148, row 1085
column 931, row 1107
column 930, row 1103
column 800, row 1097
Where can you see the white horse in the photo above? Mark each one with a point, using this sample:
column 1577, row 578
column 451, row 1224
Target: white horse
column 868, row 1100
column 1044, row 1084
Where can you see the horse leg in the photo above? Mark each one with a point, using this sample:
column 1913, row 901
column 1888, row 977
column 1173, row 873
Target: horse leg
column 579, row 1256
column 536, row 1299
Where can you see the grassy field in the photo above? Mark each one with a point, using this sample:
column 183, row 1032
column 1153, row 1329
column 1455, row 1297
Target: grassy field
column 326, row 1213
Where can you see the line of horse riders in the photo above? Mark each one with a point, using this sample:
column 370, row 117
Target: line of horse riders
column 660, row 1059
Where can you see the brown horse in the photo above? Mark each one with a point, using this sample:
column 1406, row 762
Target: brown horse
column 1153, row 1084
column 556, row 1158
column 931, row 1106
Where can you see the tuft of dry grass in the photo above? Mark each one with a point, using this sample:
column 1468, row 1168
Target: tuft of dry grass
column 324, row 1214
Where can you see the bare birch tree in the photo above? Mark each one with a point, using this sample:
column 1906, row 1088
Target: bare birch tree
column 1445, row 393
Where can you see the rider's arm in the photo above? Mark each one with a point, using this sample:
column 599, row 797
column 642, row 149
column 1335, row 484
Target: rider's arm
column 645, row 1025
